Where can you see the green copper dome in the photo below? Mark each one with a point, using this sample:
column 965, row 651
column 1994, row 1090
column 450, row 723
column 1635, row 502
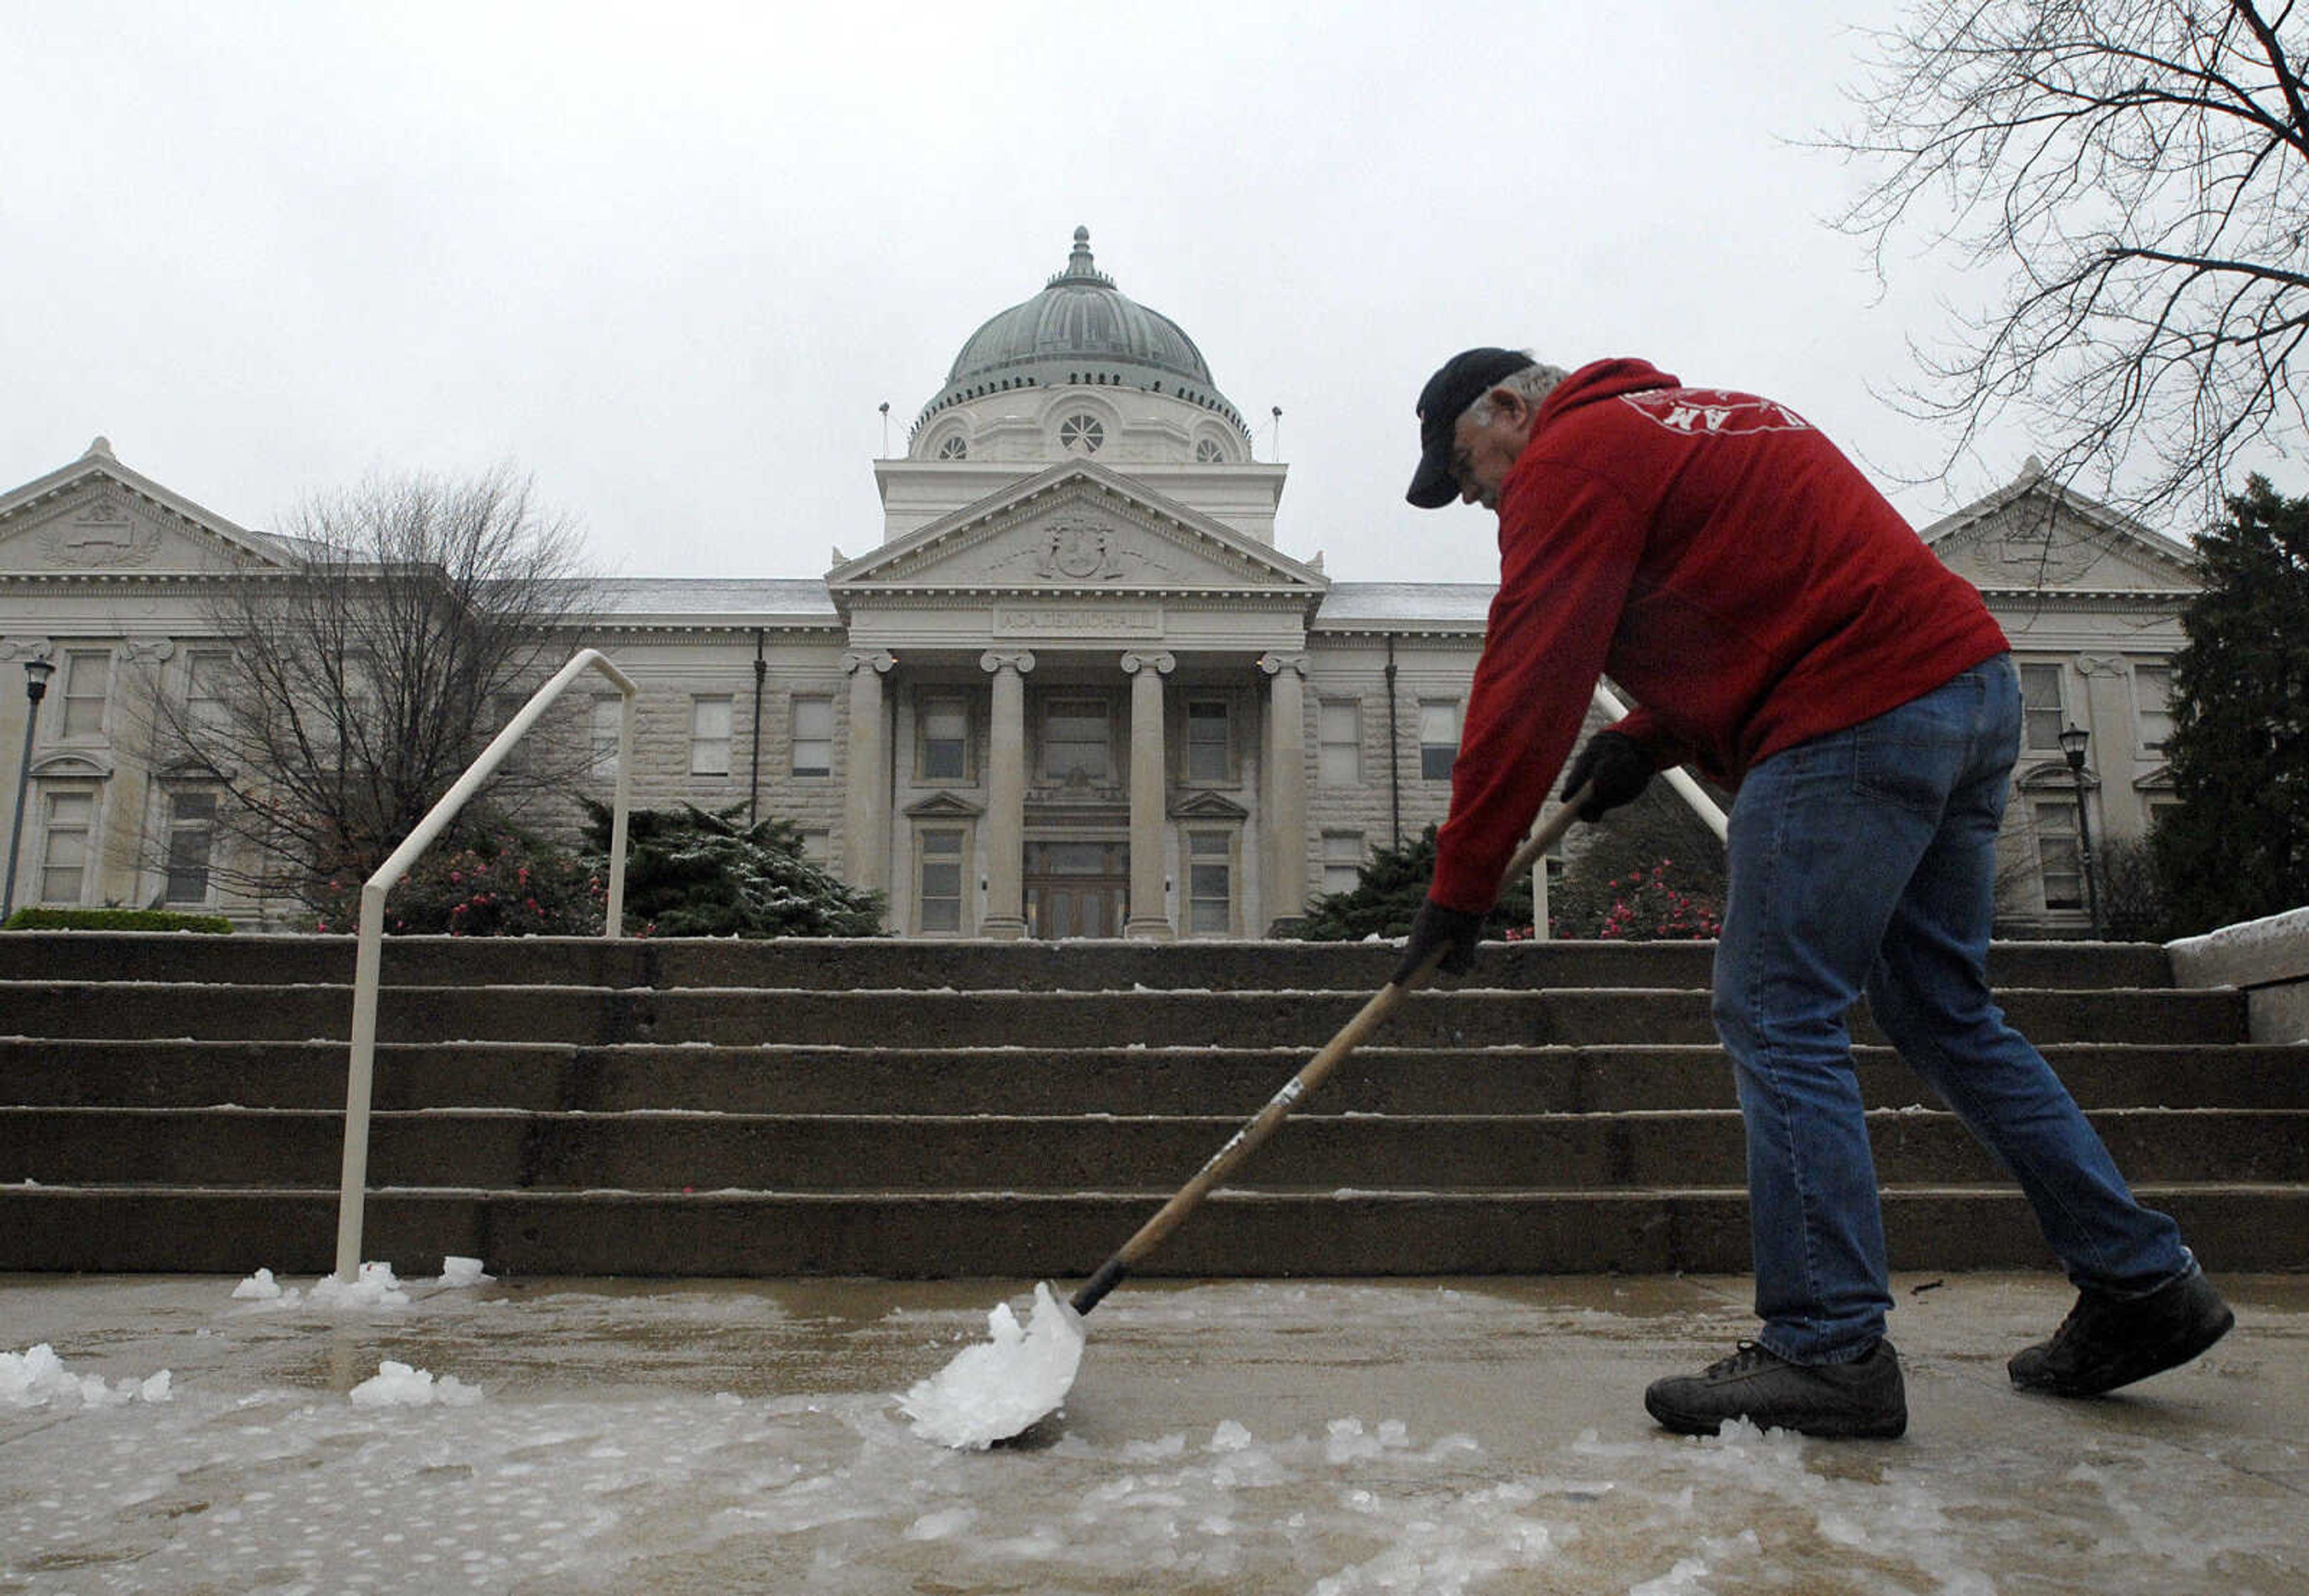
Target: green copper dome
column 1081, row 330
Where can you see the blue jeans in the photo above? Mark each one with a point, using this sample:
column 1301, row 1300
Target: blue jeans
column 1865, row 860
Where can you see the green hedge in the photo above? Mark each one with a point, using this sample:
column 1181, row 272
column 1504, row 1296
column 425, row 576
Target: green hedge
column 116, row 920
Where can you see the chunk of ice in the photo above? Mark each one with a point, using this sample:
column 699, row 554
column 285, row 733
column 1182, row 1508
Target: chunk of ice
column 457, row 1272
column 994, row 1391
column 38, row 1377
column 397, row 1385
column 375, row 1288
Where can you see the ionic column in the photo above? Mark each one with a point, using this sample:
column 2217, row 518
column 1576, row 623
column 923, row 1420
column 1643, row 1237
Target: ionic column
column 1005, row 839
column 866, row 804
column 1283, row 842
column 1149, row 915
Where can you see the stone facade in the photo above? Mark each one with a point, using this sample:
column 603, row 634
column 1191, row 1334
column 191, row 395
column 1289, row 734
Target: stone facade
column 1074, row 690
column 2092, row 603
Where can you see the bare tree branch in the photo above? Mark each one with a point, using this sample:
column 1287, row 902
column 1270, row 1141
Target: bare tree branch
column 2137, row 173
column 354, row 681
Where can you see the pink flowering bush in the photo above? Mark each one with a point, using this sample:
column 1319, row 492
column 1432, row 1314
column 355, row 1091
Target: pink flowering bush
column 493, row 881
column 1647, row 905
column 1649, row 871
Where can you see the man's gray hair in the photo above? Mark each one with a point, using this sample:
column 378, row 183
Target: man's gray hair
column 1535, row 383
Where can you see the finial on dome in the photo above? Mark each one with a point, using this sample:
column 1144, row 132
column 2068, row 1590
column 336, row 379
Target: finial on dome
column 100, row 449
column 1080, row 266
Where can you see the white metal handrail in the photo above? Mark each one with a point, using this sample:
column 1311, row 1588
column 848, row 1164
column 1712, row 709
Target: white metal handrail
column 1680, row 779
column 353, row 1191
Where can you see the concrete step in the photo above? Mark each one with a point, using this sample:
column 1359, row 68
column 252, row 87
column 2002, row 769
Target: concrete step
column 854, row 964
column 1466, row 1018
column 879, row 1108
column 2235, row 1227
column 511, row 1149
column 1380, row 1078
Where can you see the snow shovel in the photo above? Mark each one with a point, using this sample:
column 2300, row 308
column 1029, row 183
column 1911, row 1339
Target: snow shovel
column 996, row 1391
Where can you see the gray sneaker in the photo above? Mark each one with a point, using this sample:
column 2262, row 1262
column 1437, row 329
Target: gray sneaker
column 2108, row 1342
column 1861, row 1398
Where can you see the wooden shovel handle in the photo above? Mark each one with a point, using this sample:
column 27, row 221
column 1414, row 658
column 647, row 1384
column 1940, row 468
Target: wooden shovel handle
column 1311, row 1075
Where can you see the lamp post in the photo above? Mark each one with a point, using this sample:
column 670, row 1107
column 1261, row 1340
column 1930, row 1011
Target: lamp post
column 2072, row 749
column 37, row 673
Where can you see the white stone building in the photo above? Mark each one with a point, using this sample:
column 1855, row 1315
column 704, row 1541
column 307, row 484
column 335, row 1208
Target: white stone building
column 1075, row 689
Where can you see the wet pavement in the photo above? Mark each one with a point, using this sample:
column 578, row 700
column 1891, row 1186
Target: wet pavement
column 1433, row 1437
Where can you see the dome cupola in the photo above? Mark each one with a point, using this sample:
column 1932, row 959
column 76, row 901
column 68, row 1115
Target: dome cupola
column 1081, row 330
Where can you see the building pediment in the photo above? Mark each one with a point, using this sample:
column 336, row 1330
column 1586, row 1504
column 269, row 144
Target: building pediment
column 73, row 764
column 1076, row 530
column 2033, row 536
column 2053, row 775
column 944, row 806
column 95, row 518
column 1207, row 806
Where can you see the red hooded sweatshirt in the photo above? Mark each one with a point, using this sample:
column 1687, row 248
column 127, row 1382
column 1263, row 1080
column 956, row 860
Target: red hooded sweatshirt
column 1723, row 563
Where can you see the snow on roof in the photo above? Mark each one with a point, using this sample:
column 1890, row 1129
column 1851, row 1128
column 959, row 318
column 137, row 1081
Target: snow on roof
column 1347, row 606
column 796, row 598
column 1363, row 605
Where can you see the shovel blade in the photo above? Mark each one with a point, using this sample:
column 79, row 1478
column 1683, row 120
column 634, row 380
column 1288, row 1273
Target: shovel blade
column 1001, row 1387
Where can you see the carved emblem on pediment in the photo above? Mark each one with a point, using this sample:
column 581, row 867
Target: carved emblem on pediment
column 1079, row 549
column 2031, row 548
column 105, row 530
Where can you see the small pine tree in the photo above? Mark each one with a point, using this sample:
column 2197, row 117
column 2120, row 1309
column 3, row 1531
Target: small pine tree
column 1388, row 892
column 2237, row 847
column 695, row 875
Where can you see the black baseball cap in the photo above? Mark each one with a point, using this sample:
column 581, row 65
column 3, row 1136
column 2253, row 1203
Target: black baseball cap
column 1462, row 380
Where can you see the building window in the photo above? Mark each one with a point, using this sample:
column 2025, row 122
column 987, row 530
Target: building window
column 67, row 844
column 942, row 738
column 88, row 682
column 2060, row 864
column 192, row 845
column 609, row 711
column 206, row 712
column 956, row 447
column 1077, row 742
column 813, row 734
column 2152, row 705
column 1340, row 727
column 817, row 845
column 2040, row 701
column 1439, row 739
column 1210, row 882
column 362, row 705
column 709, row 736
column 1081, row 434
column 1343, row 861
column 1210, row 740
column 937, row 893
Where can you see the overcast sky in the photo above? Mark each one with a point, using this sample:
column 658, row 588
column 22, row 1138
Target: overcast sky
column 670, row 258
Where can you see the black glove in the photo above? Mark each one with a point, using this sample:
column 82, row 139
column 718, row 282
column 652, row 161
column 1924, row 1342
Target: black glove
column 1617, row 766
column 1435, row 926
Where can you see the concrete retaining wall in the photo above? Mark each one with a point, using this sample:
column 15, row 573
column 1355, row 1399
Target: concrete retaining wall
column 2266, row 960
